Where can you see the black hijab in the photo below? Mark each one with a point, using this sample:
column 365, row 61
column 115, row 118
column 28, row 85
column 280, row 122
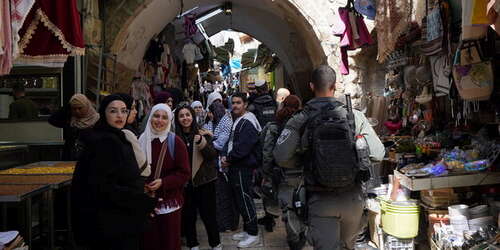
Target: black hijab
column 103, row 123
column 129, row 101
column 218, row 110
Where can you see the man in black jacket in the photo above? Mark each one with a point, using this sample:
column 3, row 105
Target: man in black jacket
column 242, row 157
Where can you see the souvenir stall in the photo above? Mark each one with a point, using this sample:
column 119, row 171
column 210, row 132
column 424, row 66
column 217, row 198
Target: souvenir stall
column 442, row 126
column 173, row 63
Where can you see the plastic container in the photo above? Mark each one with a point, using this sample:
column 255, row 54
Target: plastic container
column 482, row 222
column 479, row 211
column 400, row 225
column 459, row 210
column 459, row 224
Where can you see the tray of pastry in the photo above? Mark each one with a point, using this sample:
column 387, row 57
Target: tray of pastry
column 43, row 168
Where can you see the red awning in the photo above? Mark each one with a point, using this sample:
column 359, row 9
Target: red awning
column 50, row 33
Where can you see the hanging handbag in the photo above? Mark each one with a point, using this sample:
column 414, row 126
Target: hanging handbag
column 434, row 32
column 474, row 81
column 470, row 53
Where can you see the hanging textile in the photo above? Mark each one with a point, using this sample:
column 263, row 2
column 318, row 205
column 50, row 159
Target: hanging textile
column 353, row 33
column 19, row 11
column 392, row 19
column 140, row 91
column 5, row 38
column 51, row 33
column 190, row 28
column 92, row 25
column 472, row 12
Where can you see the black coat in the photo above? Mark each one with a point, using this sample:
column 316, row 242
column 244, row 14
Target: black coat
column 62, row 119
column 107, row 193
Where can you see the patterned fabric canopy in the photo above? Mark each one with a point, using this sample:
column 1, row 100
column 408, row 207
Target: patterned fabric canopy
column 50, row 33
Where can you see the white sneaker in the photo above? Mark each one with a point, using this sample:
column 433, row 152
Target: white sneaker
column 219, row 247
column 195, row 248
column 240, row 236
column 250, row 241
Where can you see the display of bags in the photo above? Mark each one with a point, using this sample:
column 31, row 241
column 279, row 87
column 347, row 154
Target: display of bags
column 474, row 80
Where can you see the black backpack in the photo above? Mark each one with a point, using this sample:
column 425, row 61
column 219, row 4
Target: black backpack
column 265, row 111
column 332, row 160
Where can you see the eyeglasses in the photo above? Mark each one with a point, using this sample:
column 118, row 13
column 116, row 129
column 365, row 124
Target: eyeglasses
column 114, row 111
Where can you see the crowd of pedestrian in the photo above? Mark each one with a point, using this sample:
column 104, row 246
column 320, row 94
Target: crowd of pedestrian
column 142, row 186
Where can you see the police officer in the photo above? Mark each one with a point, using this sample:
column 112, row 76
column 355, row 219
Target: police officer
column 333, row 217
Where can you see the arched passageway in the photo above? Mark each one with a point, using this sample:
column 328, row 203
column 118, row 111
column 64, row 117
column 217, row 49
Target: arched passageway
column 281, row 25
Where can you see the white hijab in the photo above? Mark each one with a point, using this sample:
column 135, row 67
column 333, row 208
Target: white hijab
column 196, row 104
column 212, row 97
column 150, row 134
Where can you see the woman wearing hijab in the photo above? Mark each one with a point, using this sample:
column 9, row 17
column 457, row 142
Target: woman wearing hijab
column 167, row 154
column 131, row 135
column 109, row 206
column 220, row 124
column 132, row 116
column 199, row 112
column 165, row 98
column 73, row 118
column 200, row 192
column 214, row 96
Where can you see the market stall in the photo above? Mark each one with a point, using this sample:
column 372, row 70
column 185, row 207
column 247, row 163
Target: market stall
column 35, row 183
column 440, row 124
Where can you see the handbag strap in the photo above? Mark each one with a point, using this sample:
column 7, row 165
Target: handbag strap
column 159, row 162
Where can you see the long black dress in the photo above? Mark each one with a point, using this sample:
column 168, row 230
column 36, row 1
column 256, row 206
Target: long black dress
column 109, row 207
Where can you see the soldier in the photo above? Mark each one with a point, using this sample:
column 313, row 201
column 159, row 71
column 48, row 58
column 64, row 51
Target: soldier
column 321, row 140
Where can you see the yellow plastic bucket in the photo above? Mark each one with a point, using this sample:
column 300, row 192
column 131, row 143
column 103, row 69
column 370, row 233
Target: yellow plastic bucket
column 399, row 224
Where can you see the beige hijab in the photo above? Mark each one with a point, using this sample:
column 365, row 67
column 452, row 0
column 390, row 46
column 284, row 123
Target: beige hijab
column 90, row 118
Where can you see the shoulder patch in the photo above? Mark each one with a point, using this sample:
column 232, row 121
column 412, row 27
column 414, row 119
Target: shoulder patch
column 284, row 135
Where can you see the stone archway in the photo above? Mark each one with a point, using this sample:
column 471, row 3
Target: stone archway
column 299, row 31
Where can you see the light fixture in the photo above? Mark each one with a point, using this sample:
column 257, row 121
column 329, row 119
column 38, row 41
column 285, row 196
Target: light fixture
column 187, row 12
column 228, row 8
column 209, row 15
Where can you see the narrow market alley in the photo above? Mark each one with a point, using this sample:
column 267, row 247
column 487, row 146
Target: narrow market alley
column 249, row 124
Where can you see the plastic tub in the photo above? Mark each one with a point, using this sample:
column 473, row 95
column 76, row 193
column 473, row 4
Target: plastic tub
column 400, row 225
column 479, row 211
column 459, row 210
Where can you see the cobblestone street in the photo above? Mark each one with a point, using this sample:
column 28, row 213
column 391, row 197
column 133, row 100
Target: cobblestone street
column 269, row 241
